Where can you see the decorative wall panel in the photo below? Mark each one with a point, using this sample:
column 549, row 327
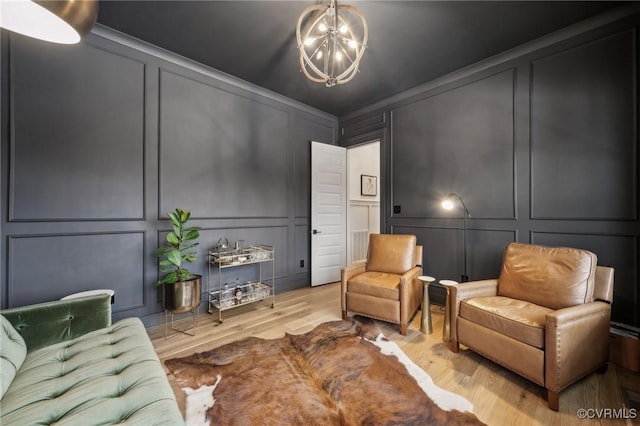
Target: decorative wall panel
column 583, row 137
column 47, row 267
column 306, row 131
column 221, row 154
column 458, row 141
column 77, row 140
column 109, row 135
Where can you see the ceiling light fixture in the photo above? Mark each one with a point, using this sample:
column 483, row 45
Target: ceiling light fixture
column 331, row 40
column 64, row 22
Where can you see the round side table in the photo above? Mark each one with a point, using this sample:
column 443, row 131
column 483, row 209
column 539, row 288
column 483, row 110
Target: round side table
column 425, row 323
column 446, row 330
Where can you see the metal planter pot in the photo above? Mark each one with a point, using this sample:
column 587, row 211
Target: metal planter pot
column 183, row 296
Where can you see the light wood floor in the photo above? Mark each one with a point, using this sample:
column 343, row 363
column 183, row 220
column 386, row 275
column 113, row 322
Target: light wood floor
column 499, row 396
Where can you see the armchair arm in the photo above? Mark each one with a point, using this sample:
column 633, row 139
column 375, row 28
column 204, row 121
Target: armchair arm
column 410, row 293
column 410, row 275
column 576, row 342
column 345, row 275
column 48, row 323
column 463, row 291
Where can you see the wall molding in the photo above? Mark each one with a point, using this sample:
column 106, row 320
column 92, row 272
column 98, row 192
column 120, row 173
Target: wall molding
column 294, row 122
column 213, row 144
column 12, row 239
column 431, row 96
column 632, row 32
column 515, row 53
column 12, row 165
column 105, row 32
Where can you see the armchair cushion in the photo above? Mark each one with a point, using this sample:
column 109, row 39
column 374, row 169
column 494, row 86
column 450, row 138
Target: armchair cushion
column 517, row 319
column 555, row 277
column 392, row 254
column 377, row 284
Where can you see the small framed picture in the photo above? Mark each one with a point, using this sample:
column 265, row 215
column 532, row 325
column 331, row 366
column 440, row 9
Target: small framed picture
column 368, row 185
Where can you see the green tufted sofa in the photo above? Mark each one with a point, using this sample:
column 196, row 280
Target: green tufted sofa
column 64, row 363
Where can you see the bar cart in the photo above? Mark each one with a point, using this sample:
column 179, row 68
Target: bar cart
column 229, row 296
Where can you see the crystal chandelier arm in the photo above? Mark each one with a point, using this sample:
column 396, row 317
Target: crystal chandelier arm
column 303, row 67
column 346, row 53
column 350, row 36
column 305, row 60
column 320, row 46
column 365, row 28
column 304, row 14
column 345, row 23
column 351, row 71
column 346, row 40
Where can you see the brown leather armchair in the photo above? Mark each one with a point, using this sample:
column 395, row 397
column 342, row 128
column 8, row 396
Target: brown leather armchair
column 546, row 317
column 385, row 286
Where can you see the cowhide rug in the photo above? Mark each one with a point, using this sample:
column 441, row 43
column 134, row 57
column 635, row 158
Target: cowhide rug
column 340, row 373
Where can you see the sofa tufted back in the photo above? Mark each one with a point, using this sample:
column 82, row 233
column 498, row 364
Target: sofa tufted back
column 555, row 277
column 51, row 322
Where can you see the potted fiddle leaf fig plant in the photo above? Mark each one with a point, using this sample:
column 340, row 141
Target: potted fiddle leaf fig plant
column 182, row 289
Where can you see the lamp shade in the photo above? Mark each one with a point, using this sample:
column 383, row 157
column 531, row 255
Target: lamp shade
column 64, row 22
column 447, row 204
column 450, row 202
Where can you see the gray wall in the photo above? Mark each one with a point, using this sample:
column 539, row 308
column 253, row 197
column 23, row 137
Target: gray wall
column 101, row 139
column 541, row 144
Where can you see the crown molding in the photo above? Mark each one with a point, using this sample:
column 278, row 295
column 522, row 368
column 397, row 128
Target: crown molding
column 115, row 36
column 514, row 53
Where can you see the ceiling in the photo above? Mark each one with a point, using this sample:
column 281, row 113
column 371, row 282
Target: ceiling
column 410, row 42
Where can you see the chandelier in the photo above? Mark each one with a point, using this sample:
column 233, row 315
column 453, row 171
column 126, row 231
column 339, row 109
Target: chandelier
column 331, row 40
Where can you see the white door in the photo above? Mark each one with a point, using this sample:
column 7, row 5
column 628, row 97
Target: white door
column 328, row 212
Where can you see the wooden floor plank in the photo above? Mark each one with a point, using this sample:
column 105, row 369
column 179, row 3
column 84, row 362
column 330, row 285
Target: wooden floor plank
column 500, row 397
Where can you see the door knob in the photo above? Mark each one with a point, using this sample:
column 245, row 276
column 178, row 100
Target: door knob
column 315, row 231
